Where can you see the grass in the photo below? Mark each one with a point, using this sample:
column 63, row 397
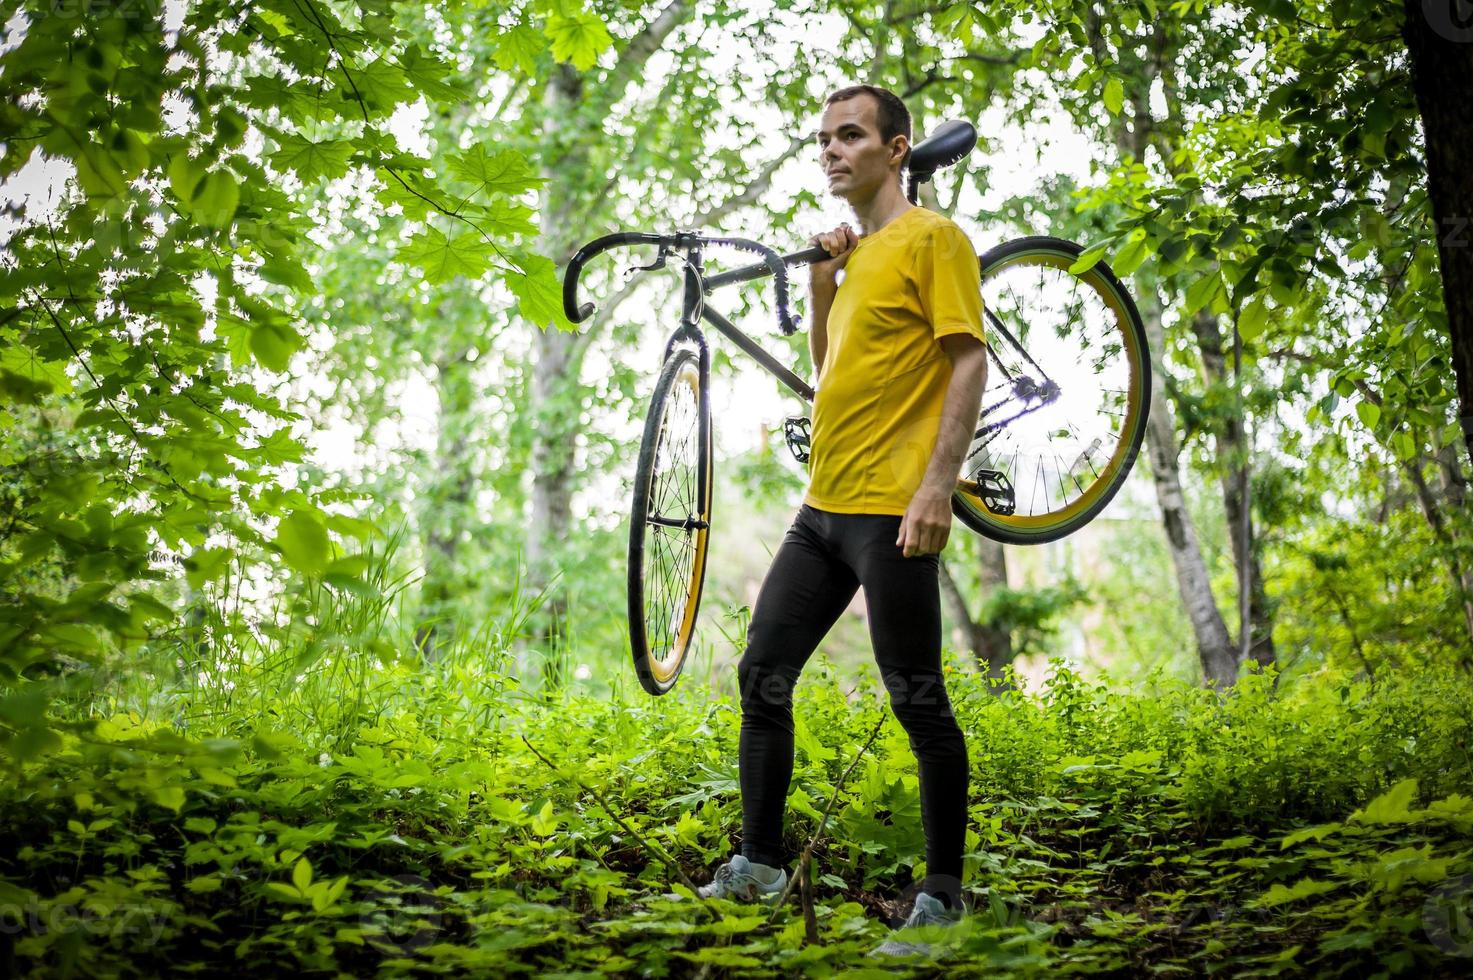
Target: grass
column 318, row 806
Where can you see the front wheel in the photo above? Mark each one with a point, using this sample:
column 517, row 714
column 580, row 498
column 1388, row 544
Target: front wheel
column 670, row 523
column 1068, row 385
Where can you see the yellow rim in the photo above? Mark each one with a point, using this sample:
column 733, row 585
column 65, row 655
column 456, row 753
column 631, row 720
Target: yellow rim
column 1136, row 404
column 664, row 669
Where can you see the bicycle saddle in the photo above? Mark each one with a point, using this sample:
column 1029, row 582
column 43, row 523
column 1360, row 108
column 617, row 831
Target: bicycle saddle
column 952, row 140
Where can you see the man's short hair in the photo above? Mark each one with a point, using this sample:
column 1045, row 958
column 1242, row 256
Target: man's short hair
column 892, row 116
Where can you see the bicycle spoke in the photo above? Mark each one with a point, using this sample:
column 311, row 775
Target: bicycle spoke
column 1048, row 430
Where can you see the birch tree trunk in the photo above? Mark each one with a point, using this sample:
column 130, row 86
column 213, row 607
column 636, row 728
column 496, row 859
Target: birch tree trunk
column 442, row 512
column 552, row 447
column 1215, row 649
column 1232, row 452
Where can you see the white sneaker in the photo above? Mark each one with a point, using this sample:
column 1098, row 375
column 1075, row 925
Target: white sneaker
column 745, row 881
column 928, row 911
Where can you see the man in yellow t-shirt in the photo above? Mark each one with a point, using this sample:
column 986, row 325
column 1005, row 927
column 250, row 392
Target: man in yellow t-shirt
column 897, row 340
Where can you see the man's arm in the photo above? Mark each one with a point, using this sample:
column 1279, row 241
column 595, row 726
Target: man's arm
column 822, row 285
column 927, row 521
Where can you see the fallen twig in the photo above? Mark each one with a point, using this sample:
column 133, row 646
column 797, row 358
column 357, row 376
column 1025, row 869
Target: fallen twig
column 658, row 852
column 810, row 917
column 807, row 855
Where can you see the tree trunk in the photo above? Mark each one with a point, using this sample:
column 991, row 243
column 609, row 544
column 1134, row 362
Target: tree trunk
column 1439, row 37
column 1232, row 451
column 556, row 415
column 552, row 445
column 992, row 645
column 1450, row 475
column 1215, row 649
column 1460, row 575
column 442, row 512
column 1458, row 572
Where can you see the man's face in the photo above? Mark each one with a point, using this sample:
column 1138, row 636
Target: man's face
column 856, row 162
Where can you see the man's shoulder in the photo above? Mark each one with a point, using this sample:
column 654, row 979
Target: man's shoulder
column 937, row 231
column 928, row 223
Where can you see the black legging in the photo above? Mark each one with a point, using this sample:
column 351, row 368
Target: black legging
column 823, row 559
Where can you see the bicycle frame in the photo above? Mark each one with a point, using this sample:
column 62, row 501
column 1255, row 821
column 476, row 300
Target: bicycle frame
column 1028, row 396
column 951, row 141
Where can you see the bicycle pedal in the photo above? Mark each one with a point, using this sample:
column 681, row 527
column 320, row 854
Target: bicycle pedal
column 797, row 431
column 994, row 489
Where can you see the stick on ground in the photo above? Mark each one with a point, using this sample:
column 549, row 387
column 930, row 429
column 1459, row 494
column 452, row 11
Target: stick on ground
column 824, row 822
column 658, row 852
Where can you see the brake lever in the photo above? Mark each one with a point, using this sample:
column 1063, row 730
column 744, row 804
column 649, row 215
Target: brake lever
column 659, row 263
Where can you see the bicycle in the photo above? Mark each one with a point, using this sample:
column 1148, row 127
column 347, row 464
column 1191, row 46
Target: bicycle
column 1075, row 427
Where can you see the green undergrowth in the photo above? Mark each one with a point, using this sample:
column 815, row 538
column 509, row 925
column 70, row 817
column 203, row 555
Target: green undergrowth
column 1322, row 829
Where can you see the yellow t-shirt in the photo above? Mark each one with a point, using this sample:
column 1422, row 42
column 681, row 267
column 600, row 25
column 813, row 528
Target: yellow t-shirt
column 877, row 409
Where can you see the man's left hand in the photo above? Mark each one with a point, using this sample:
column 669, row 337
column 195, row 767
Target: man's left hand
column 926, row 524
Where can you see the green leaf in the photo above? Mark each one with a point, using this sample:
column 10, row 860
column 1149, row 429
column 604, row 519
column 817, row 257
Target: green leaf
column 813, row 749
column 27, row 376
column 442, row 258
column 539, row 293
column 273, row 343
column 503, row 172
column 519, row 48
column 546, row 820
column 284, row 892
column 1129, row 258
column 344, row 582
column 98, row 172
column 215, row 199
column 310, row 160
column 279, row 447
column 1303, row 888
column 185, row 175
column 427, row 74
column 1114, row 96
column 171, row 797
column 1202, row 292
column 1254, row 319
column 579, row 38
column 1369, row 412
column 1089, row 257
column 1392, row 806
column 378, row 86
column 302, row 875
column 303, row 540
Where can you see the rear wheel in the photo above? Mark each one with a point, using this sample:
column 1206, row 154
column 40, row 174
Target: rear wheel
column 1068, row 385
column 670, row 523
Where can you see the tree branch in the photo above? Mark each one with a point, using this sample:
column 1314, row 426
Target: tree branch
column 641, row 47
column 658, row 852
column 752, row 191
column 1011, row 58
column 823, row 822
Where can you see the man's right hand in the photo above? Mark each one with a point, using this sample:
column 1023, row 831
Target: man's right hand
column 840, row 243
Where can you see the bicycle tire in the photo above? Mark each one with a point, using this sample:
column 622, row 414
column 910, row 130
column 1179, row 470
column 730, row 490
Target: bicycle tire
column 667, row 564
column 1126, row 326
